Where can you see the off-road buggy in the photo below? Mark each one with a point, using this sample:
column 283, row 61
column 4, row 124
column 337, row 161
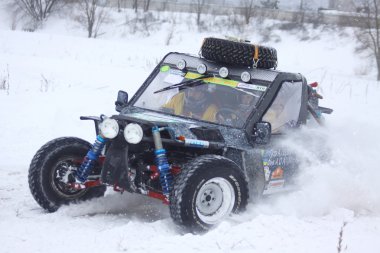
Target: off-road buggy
column 163, row 145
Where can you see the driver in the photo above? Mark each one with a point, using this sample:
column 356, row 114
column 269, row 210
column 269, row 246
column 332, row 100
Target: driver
column 193, row 103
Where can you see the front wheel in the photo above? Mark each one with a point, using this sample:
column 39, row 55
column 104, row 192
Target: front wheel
column 207, row 191
column 50, row 168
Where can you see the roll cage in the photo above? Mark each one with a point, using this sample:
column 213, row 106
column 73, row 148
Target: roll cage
column 272, row 79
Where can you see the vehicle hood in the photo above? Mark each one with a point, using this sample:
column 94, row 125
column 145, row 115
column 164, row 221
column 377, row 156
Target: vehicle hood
column 179, row 125
column 188, row 128
column 157, row 118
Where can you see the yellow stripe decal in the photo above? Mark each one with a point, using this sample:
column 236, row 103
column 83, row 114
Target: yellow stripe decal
column 214, row 80
column 190, row 75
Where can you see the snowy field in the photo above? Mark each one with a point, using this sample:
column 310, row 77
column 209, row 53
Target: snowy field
column 55, row 77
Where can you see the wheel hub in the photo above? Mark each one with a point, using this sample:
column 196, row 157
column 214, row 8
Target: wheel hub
column 215, row 200
column 211, row 199
column 62, row 177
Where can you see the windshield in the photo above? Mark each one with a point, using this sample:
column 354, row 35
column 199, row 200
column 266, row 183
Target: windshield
column 211, row 99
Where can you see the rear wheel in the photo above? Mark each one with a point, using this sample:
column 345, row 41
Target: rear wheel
column 50, row 169
column 207, row 191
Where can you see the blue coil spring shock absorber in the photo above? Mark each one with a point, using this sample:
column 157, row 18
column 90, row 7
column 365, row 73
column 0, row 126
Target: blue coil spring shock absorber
column 166, row 177
column 90, row 159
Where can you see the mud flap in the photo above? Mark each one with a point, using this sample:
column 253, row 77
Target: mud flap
column 115, row 168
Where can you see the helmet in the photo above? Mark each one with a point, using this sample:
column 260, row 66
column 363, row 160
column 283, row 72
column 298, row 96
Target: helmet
column 246, row 102
column 195, row 99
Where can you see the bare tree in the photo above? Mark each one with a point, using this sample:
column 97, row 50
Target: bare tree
column 270, row 4
column 17, row 13
column 248, row 9
column 38, row 10
column 302, row 11
column 300, row 16
column 164, row 5
column 135, row 5
column 199, row 8
column 93, row 15
column 146, row 5
column 369, row 36
column 119, row 5
column 333, row 4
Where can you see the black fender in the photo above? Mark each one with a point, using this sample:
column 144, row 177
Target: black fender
column 250, row 163
column 96, row 120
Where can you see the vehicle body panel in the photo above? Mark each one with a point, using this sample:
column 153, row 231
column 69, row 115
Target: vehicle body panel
column 260, row 163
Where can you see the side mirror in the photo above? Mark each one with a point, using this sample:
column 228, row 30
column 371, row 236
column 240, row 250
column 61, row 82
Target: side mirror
column 262, row 132
column 122, row 100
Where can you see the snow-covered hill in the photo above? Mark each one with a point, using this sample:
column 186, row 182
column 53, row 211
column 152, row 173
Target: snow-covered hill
column 55, row 77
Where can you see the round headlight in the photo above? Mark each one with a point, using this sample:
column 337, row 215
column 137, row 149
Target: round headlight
column 245, row 76
column 109, row 128
column 202, row 69
column 181, row 64
column 223, row 72
column 133, row 133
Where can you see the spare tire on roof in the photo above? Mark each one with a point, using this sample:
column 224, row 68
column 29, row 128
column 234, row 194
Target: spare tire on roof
column 239, row 53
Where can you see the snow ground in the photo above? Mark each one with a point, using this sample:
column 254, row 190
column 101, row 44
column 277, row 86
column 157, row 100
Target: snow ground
column 55, row 77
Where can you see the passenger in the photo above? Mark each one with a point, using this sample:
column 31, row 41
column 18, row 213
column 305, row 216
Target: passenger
column 275, row 116
column 246, row 104
column 193, row 103
column 235, row 113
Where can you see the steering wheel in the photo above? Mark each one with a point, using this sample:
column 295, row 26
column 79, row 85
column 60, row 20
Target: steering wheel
column 228, row 116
